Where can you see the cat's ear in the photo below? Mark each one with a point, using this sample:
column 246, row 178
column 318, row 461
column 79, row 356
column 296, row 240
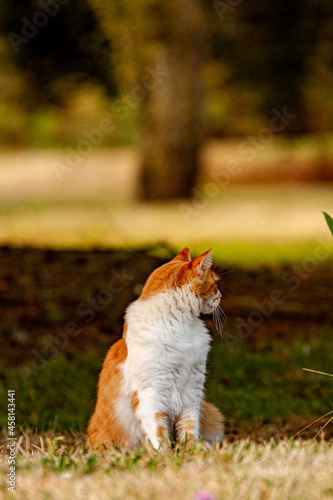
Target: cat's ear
column 183, row 255
column 203, row 262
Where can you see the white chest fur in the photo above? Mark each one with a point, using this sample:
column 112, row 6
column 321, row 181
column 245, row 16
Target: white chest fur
column 167, row 351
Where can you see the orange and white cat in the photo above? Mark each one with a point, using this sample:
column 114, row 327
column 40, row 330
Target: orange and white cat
column 152, row 379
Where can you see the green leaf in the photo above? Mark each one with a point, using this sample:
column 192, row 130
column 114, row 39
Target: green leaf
column 329, row 221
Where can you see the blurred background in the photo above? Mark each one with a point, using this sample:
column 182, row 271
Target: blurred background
column 138, row 128
column 103, row 108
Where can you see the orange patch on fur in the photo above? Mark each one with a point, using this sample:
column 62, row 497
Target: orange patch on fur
column 205, row 287
column 178, row 272
column 211, row 422
column 161, row 432
column 183, row 255
column 134, row 400
column 162, row 428
column 104, row 426
column 185, row 424
column 164, row 278
column 160, row 415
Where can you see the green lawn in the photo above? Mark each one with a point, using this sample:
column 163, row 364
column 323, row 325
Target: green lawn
column 247, row 225
column 249, row 386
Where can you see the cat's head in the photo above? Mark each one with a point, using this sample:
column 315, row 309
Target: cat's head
column 195, row 274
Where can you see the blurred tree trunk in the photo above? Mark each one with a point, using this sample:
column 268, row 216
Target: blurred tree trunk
column 158, row 52
column 172, row 112
column 320, row 90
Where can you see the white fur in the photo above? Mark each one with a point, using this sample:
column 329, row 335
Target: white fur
column 166, row 363
column 126, row 415
column 207, row 262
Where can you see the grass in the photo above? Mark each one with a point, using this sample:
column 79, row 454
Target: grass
column 245, row 225
column 253, row 254
column 252, row 387
column 53, row 469
column 269, row 384
column 59, row 396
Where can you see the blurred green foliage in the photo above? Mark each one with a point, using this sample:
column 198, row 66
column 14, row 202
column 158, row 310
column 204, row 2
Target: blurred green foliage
column 258, row 56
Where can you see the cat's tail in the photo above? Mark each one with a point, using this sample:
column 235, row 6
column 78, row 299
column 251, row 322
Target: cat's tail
column 211, row 423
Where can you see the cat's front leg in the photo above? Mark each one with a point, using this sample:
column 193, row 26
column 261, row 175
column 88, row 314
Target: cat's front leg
column 153, row 420
column 187, row 425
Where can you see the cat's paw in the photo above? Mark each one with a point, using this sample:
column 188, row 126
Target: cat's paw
column 155, row 443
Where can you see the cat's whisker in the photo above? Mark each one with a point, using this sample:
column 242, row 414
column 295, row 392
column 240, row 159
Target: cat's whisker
column 219, row 318
column 218, row 314
column 216, row 320
column 219, row 326
column 223, row 314
column 221, row 270
column 223, row 318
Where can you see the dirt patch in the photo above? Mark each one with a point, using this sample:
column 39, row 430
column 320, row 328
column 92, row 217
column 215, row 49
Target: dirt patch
column 44, row 293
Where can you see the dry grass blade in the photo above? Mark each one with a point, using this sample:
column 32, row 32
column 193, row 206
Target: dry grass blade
column 323, row 427
column 314, row 422
column 329, row 413
column 246, row 470
column 19, row 443
column 320, row 373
